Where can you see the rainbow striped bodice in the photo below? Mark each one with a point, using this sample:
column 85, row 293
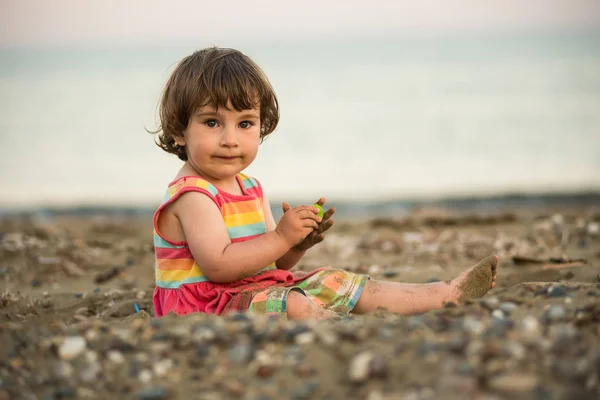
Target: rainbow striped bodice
column 243, row 216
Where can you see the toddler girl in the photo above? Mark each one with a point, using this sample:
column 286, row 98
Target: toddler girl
column 218, row 248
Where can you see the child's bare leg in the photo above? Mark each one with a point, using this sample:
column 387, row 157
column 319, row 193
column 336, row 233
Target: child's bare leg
column 301, row 307
column 406, row 298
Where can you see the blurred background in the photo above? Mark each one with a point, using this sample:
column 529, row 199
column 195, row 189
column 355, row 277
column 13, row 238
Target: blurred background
column 382, row 103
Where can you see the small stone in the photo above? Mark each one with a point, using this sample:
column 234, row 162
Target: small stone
column 162, row 367
column 490, row 302
column 240, row 353
column 473, row 325
column 556, row 313
column 64, row 370
column 145, row 376
column 305, row 391
column 359, row 367
column 115, row 357
column 305, row 338
column 530, row 326
column 153, row 393
column 498, row 314
column 235, row 388
column 265, row 371
column 71, row 347
column 378, row 366
column 593, row 229
column 513, row 383
column 304, row 370
column 508, row 307
column 375, row 395
column 567, row 274
column 557, row 291
column 65, row 393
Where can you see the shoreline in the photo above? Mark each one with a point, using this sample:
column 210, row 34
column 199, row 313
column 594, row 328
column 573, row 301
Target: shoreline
column 351, row 209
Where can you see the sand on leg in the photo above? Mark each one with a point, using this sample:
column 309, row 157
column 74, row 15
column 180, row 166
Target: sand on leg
column 407, row 298
column 300, row 307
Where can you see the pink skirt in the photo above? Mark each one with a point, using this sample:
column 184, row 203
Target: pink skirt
column 215, row 298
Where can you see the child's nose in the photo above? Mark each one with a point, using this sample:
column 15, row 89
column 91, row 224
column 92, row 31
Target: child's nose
column 229, row 138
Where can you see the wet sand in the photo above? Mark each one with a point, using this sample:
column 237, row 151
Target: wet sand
column 70, row 288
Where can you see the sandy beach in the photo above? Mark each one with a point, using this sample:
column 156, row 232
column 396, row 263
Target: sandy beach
column 71, row 287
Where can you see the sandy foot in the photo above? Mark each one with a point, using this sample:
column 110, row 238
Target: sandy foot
column 475, row 281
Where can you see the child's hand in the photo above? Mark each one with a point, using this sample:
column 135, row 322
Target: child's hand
column 317, row 235
column 297, row 223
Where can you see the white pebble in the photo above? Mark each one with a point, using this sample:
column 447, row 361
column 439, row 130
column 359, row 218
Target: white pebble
column 116, row 357
column 162, row 367
column 71, row 347
column 305, row 338
column 359, row 367
column 145, row 376
column 593, row 229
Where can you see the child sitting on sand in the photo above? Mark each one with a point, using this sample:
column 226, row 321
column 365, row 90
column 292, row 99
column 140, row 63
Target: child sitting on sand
column 218, row 248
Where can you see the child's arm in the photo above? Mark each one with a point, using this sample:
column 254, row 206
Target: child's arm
column 223, row 261
column 293, row 255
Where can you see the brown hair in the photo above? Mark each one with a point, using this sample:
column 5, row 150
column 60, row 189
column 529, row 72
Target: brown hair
column 213, row 76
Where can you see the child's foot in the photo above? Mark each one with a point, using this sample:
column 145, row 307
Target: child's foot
column 475, row 281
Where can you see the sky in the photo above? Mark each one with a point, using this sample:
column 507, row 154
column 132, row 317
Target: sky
column 90, row 22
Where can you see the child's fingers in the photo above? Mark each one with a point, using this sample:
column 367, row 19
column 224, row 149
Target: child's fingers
column 310, row 223
column 323, row 227
column 308, row 213
column 328, row 213
column 312, row 209
column 321, row 201
column 286, row 207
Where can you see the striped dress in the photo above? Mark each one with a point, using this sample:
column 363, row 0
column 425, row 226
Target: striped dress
column 182, row 287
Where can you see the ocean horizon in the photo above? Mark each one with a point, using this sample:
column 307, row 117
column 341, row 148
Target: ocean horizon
column 362, row 120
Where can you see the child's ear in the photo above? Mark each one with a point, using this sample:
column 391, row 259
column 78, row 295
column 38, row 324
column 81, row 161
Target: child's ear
column 180, row 140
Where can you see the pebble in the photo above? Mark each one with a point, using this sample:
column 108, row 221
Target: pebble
column 557, row 291
column 593, row 229
column 358, row 370
column 305, row 391
column 513, row 383
column 490, row 302
column 556, row 312
column 508, row 307
column 240, row 353
column 145, row 376
column 71, row 347
column 530, row 326
column 115, row 357
column 473, row 325
column 153, row 393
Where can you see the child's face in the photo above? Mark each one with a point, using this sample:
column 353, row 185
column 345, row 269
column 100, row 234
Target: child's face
column 220, row 143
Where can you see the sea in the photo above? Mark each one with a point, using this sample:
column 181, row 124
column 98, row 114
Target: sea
column 370, row 123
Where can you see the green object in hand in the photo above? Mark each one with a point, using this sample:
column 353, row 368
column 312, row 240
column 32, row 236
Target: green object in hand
column 321, row 212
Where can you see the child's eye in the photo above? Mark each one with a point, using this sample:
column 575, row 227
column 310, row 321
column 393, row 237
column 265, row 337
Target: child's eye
column 245, row 124
column 211, row 123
